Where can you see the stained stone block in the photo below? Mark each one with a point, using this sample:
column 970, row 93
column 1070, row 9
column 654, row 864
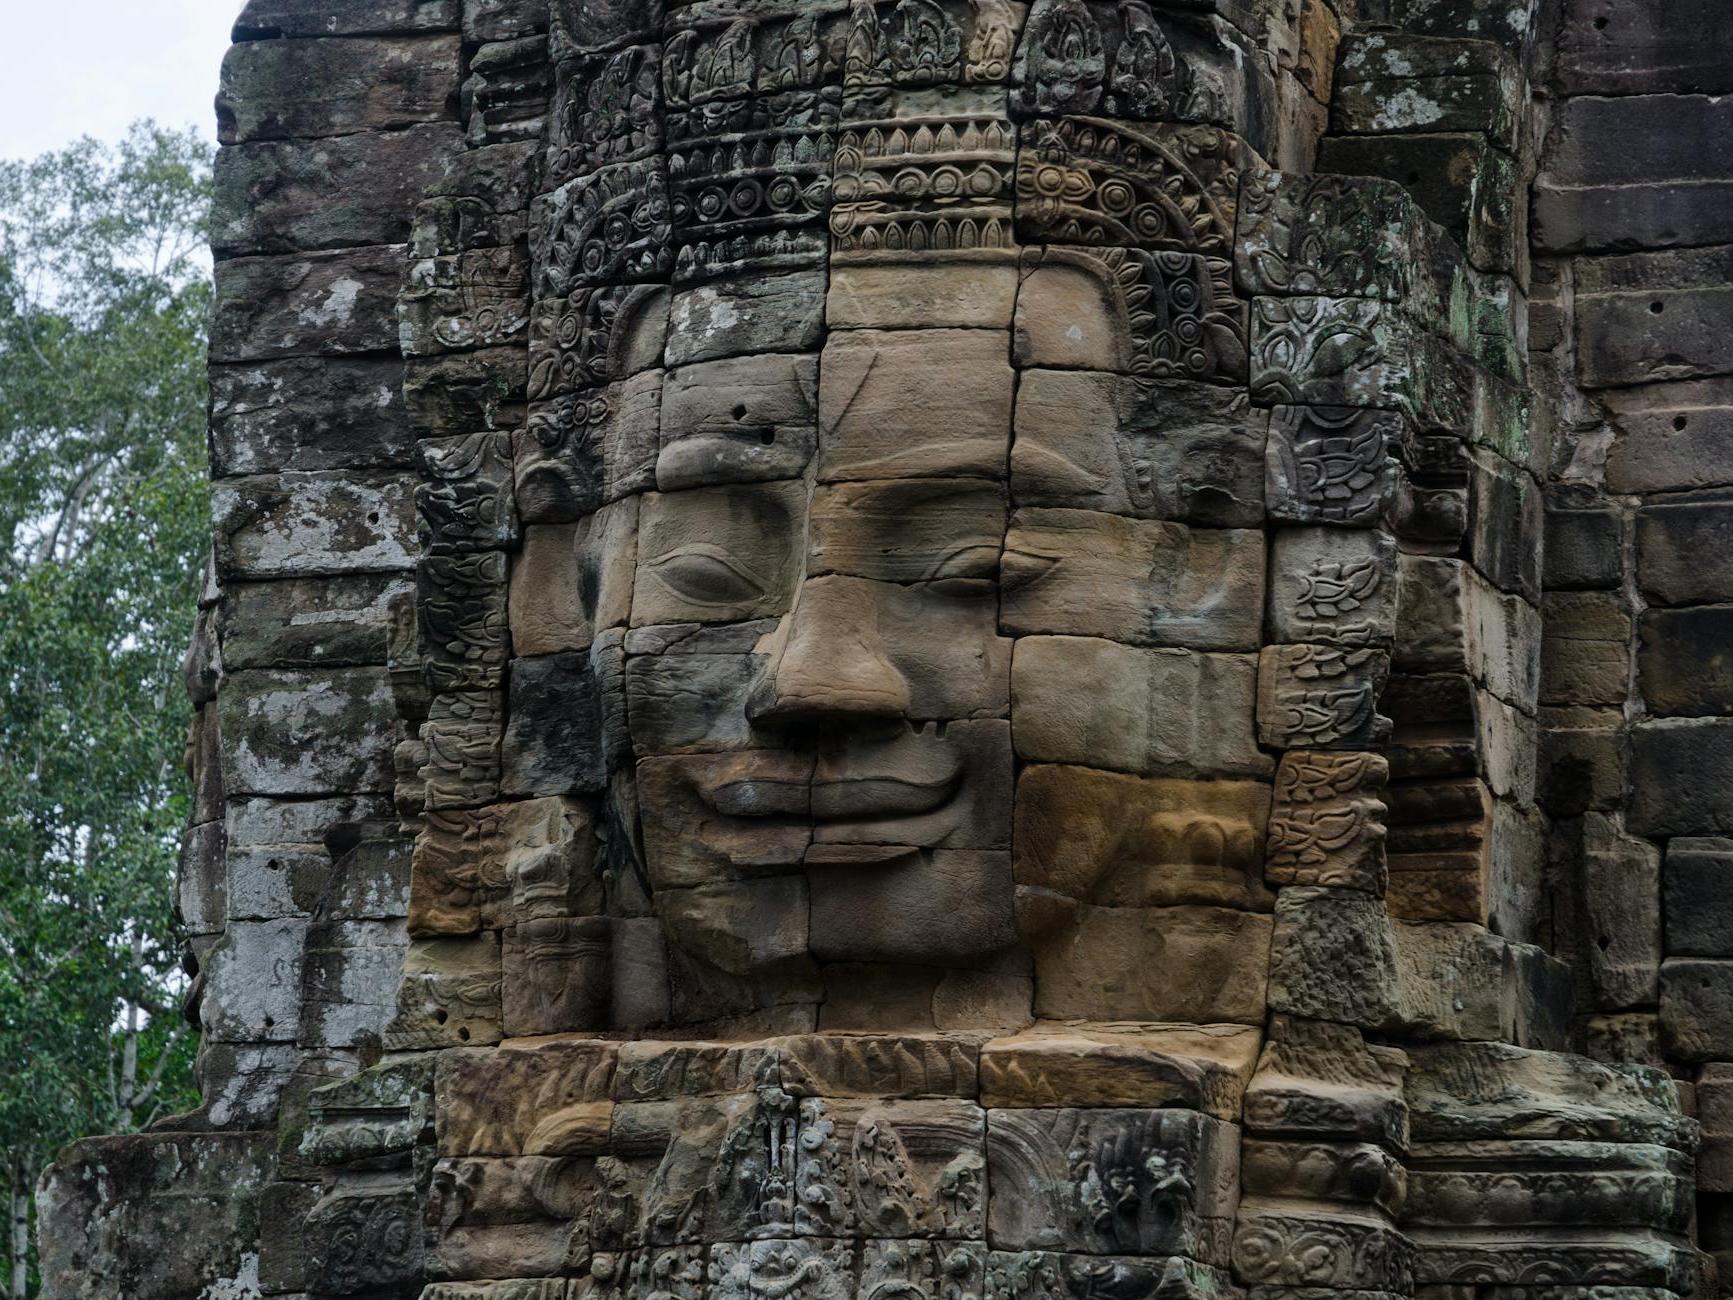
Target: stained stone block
column 1584, row 548
column 553, row 742
column 1581, row 759
column 307, row 732
column 1649, row 316
column 1681, row 776
column 1622, row 890
column 1673, row 536
column 1462, row 182
column 1459, row 981
column 302, row 414
column 945, row 908
column 1699, row 902
column 748, row 315
column 1149, row 964
column 466, row 391
column 1082, row 573
column 687, row 686
column 1332, row 464
column 1355, row 236
column 1124, row 841
column 450, row 995
column 1388, row 82
column 1356, row 352
column 365, row 85
column 306, row 303
column 1037, row 1200
column 1505, row 524
column 349, row 970
column 585, row 450
column 738, row 420
column 267, row 19
column 337, row 192
column 300, row 524
column 1327, row 821
column 308, row 622
column 198, row 1190
column 1636, row 171
column 1332, row 957
column 1144, row 448
column 1696, row 1008
column 252, row 983
column 742, row 928
column 1124, row 724
column 913, row 403
column 1669, row 436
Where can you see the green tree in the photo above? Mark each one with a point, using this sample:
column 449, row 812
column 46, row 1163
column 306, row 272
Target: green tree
column 104, row 293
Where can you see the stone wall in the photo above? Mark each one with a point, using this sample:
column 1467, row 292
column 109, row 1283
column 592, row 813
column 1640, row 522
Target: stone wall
column 1338, row 882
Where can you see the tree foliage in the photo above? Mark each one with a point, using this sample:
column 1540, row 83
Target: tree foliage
column 104, row 293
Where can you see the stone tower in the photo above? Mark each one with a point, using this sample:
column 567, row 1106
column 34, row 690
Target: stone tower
column 920, row 649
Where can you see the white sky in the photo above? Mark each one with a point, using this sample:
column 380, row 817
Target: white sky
column 91, row 67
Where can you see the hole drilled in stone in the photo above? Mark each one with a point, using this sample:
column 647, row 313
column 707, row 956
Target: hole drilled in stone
column 1656, row 308
column 1679, row 423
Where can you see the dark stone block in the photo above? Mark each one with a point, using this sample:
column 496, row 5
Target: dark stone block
column 313, row 731
column 1459, row 180
column 553, row 739
column 1682, row 777
column 1698, row 886
column 308, row 622
column 1505, row 21
column 1505, row 524
column 1679, row 546
column 1626, row 47
column 466, row 391
column 318, row 303
column 1670, row 436
column 1697, row 1008
column 1684, row 664
column 1584, row 548
column 372, row 84
column 268, row 19
column 1392, row 82
column 1654, row 316
column 503, row 20
column 307, row 414
column 341, row 192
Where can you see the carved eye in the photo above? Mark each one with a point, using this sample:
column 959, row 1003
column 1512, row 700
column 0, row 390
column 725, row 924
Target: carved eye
column 1021, row 568
column 966, row 560
column 706, row 575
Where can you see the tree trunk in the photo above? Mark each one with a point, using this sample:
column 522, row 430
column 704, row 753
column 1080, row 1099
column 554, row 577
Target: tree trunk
column 19, row 1186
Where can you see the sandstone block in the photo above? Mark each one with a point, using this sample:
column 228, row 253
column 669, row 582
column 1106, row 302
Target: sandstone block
column 908, row 530
column 945, row 908
column 1332, row 957
column 718, row 554
column 1699, row 902
column 1696, row 1008
column 252, row 989
column 1185, row 964
column 349, row 975
column 1332, row 464
column 364, row 85
column 1123, row 841
column 1333, row 587
column 1670, row 436
column 1389, row 82
column 1327, row 821
column 1648, row 316
column 1581, row 760
column 450, row 995
column 267, row 19
column 1125, row 723
column 1584, row 548
column 742, row 927
column 293, row 525
column 912, row 403
column 1681, row 663
column 1586, row 655
column 1622, row 906
column 1137, row 582
column 1672, row 538
column 1681, row 774
column 1462, row 982
column 1321, row 697
column 308, row 622
column 1635, row 50
column 314, row 731
column 1506, row 523
column 570, row 581
column 1098, row 440
column 921, row 294
column 554, row 741
column 687, row 686
column 738, row 420
column 1159, row 1066
column 747, row 316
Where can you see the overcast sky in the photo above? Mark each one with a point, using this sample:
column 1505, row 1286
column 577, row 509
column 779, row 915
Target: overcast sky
column 90, row 67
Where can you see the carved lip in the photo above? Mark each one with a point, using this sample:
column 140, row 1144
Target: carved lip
column 854, row 798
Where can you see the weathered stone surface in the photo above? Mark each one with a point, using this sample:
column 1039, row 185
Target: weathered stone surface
column 295, row 525
column 338, row 192
column 1699, row 905
column 309, row 731
column 1696, row 1007
column 1164, row 1067
column 1649, row 316
column 1386, row 83
column 1332, row 958
column 308, row 622
column 1669, row 436
column 311, row 303
column 1681, row 774
column 364, row 85
column 267, row 19
column 1586, row 655
column 305, row 414
column 1125, row 724
column 1672, row 538
column 1082, row 573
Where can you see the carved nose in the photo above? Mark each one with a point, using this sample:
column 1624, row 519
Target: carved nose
column 834, row 664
